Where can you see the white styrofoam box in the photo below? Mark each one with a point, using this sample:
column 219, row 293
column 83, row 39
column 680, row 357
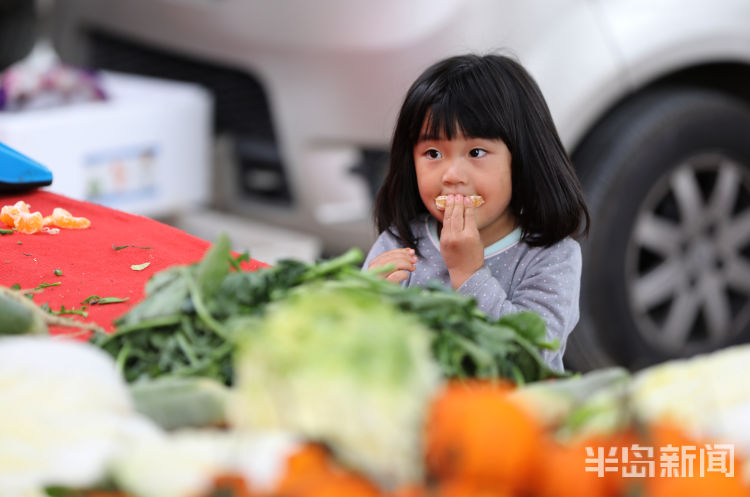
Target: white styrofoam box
column 145, row 150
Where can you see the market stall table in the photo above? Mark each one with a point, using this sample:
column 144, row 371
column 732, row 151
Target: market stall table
column 92, row 261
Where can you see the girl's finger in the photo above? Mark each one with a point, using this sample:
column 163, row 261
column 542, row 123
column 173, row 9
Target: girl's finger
column 392, row 257
column 397, row 276
column 457, row 214
column 470, row 215
column 447, row 215
column 399, row 260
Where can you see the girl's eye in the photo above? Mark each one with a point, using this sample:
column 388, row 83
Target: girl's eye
column 433, row 154
column 477, row 152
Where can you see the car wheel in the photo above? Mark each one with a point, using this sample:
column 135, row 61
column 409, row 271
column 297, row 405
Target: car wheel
column 667, row 263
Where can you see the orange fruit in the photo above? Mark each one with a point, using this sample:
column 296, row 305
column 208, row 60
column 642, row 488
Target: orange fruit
column 712, row 483
column 561, row 469
column 464, row 488
column 29, row 223
column 414, row 490
column 665, row 433
column 476, row 433
column 9, row 213
column 339, row 484
column 310, row 472
column 230, row 484
column 304, row 465
column 64, row 219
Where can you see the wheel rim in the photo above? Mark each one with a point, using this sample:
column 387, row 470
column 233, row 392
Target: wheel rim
column 688, row 256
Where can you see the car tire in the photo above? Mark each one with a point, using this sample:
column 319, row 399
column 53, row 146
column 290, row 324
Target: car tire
column 666, row 269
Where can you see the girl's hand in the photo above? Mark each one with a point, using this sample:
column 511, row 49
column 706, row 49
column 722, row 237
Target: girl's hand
column 403, row 260
column 460, row 244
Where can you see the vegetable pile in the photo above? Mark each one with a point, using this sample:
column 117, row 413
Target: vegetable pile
column 480, row 437
column 322, row 380
column 187, row 324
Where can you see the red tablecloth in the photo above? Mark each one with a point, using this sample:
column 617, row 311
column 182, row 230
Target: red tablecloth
column 89, row 263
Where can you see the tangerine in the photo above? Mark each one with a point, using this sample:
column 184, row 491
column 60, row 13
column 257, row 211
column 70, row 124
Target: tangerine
column 476, row 433
column 29, row 223
column 10, row 213
column 64, row 219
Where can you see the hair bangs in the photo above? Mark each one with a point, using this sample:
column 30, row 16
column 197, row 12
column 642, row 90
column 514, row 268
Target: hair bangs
column 462, row 111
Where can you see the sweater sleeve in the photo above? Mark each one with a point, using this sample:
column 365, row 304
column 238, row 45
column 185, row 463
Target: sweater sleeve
column 549, row 285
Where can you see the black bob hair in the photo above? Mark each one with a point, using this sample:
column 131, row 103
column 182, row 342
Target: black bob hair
column 489, row 96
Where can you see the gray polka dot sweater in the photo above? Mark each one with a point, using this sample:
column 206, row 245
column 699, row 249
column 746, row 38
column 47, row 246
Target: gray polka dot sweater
column 515, row 277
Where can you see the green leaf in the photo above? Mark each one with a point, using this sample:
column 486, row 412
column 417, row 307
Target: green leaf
column 213, row 268
column 106, row 300
column 120, row 247
column 530, row 325
column 237, row 261
column 109, row 300
column 140, row 267
column 63, row 311
column 6, row 232
column 46, row 285
column 58, row 272
column 166, row 295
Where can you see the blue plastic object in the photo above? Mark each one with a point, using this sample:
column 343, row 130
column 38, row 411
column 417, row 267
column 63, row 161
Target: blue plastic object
column 18, row 172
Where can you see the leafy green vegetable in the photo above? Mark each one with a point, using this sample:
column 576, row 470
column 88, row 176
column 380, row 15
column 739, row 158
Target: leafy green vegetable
column 4, row 231
column 177, row 402
column 187, row 324
column 58, row 272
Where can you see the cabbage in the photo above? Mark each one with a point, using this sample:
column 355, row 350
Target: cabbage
column 343, row 367
column 66, row 413
column 184, row 463
column 707, row 395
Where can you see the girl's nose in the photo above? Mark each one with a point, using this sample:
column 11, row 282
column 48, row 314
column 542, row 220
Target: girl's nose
column 454, row 173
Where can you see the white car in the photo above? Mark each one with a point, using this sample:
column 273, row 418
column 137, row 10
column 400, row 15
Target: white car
column 651, row 98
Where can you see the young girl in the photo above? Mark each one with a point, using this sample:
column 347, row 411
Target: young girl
column 480, row 194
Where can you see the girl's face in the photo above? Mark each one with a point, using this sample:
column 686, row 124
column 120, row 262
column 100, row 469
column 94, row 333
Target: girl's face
column 468, row 166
